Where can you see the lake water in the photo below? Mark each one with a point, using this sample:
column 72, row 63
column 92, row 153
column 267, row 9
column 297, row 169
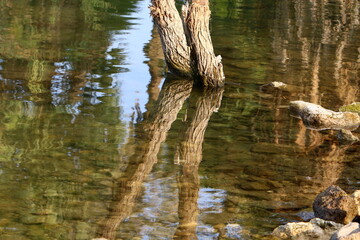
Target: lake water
column 98, row 140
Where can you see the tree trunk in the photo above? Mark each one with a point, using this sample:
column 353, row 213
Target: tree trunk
column 187, row 44
column 208, row 67
column 173, row 40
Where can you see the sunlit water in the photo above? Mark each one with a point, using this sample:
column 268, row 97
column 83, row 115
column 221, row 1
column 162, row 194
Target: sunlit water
column 90, row 147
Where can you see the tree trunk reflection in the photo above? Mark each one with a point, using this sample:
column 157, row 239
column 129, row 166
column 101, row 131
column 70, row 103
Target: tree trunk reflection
column 151, row 133
column 189, row 156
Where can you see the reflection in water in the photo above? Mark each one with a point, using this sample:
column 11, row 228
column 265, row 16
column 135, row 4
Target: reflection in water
column 314, row 49
column 70, row 155
column 322, row 53
column 327, row 36
column 189, row 156
column 152, row 133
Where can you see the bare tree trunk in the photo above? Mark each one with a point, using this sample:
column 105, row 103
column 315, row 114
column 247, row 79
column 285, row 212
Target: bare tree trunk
column 173, row 40
column 208, row 67
column 187, row 44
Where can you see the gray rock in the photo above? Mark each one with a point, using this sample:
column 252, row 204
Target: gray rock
column 273, row 85
column 350, row 231
column 328, row 226
column 233, row 231
column 316, row 117
column 356, row 196
column 315, row 229
column 335, row 205
column 298, row 230
column 305, row 216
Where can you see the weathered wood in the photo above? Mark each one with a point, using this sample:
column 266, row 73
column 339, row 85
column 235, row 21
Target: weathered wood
column 173, row 40
column 186, row 43
column 207, row 66
column 317, row 117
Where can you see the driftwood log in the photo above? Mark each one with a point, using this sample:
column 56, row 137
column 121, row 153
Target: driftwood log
column 186, row 42
column 319, row 118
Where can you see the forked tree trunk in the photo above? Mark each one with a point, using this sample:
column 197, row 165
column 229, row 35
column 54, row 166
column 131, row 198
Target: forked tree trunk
column 187, row 44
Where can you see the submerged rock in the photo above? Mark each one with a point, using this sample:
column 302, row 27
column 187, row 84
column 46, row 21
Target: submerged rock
column 233, row 231
column 350, row 231
column 273, row 86
column 334, row 204
column 316, row 117
column 306, row 215
column 315, row 229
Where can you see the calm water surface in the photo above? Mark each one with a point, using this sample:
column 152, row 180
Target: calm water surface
column 97, row 140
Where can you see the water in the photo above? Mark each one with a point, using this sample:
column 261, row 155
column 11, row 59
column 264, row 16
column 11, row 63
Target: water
column 91, row 147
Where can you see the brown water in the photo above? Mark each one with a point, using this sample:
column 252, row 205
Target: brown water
column 91, row 147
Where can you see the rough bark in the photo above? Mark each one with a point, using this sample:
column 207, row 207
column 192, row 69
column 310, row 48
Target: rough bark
column 187, row 44
column 173, row 40
column 196, row 17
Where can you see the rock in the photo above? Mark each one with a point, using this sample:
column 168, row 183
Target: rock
column 350, row 231
column 273, row 86
column 305, row 216
column 276, row 85
column 356, row 197
column 335, row 205
column 329, row 226
column 319, row 118
column 233, row 231
column 315, row 229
